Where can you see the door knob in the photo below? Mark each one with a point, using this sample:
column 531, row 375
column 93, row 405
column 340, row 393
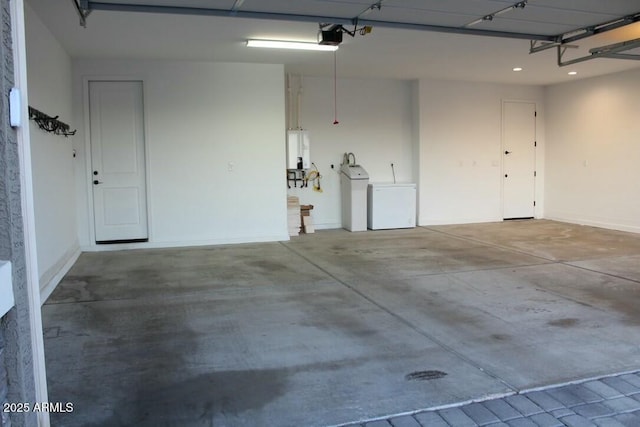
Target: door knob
column 96, row 182
column 507, row 152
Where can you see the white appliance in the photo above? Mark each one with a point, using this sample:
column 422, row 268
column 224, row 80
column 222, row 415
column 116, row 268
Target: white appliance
column 298, row 149
column 353, row 186
column 391, row 206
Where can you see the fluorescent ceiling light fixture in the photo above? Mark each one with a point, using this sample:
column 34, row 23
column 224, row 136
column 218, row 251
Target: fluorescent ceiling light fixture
column 517, row 69
column 280, row 44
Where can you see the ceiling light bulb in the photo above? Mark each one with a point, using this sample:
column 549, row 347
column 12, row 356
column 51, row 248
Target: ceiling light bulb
column 572, row 73
column 517, row 69
column 281, row 44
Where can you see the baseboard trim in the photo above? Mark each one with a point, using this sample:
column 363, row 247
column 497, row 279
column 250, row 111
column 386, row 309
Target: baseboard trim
column 425, row 222
column 328, row 226
column 593, row 223
column 52, row 284
column 186, row 243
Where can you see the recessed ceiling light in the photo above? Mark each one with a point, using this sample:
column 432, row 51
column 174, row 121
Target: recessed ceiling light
column 281, row 44
column 573, row 73
column 517, row 69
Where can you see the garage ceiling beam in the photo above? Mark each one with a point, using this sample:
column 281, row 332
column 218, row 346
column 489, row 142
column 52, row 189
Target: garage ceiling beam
column 235, row 12
column 180, row 10
column 455, row 30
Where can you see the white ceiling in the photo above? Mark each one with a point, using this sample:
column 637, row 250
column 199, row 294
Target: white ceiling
column 386, row 52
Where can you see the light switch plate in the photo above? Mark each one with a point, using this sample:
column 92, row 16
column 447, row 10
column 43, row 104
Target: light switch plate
column 6, row 288
column 15, row 116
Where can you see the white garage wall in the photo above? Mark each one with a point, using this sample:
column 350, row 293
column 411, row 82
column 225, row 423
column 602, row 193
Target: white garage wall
column 49, row 80
column 593, row 127
column 460, row 176
column 200, row 118
column 375, row 124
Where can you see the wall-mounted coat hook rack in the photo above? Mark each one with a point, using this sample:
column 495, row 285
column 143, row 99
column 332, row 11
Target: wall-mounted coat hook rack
column 50, row 124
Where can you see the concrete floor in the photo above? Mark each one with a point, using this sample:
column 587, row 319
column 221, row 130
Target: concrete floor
column 338, row 327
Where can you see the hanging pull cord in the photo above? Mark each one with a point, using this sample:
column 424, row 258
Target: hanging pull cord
column 335, row 88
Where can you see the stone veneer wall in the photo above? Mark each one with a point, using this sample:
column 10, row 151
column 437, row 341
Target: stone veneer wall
column 4, row 386
column 16, row 358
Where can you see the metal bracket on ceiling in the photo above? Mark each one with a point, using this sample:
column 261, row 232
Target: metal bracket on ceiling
column 612, row 51
column 236, row 6
column 375, row 6
column 82, row 7
column 622, row 56
column 562, row 49
column 367, row 28
column 539, row 46
column 489, row 17
column 617, row 47
column 561, row 42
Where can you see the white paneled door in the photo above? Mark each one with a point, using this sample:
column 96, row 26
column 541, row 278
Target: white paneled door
column 519, row 159
column 118, row 160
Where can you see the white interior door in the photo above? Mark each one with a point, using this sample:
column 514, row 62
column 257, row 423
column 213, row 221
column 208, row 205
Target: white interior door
column 118, row 162
column 519, row 154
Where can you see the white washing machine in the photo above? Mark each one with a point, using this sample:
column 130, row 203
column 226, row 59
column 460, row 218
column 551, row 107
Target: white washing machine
column 391, row 206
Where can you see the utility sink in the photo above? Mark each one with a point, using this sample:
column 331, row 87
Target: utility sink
column 6, row 288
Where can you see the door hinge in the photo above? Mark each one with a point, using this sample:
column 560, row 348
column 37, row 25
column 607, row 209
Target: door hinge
column 535, row 114
column 535, row 173
column 535, row 143
column 534, row 203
